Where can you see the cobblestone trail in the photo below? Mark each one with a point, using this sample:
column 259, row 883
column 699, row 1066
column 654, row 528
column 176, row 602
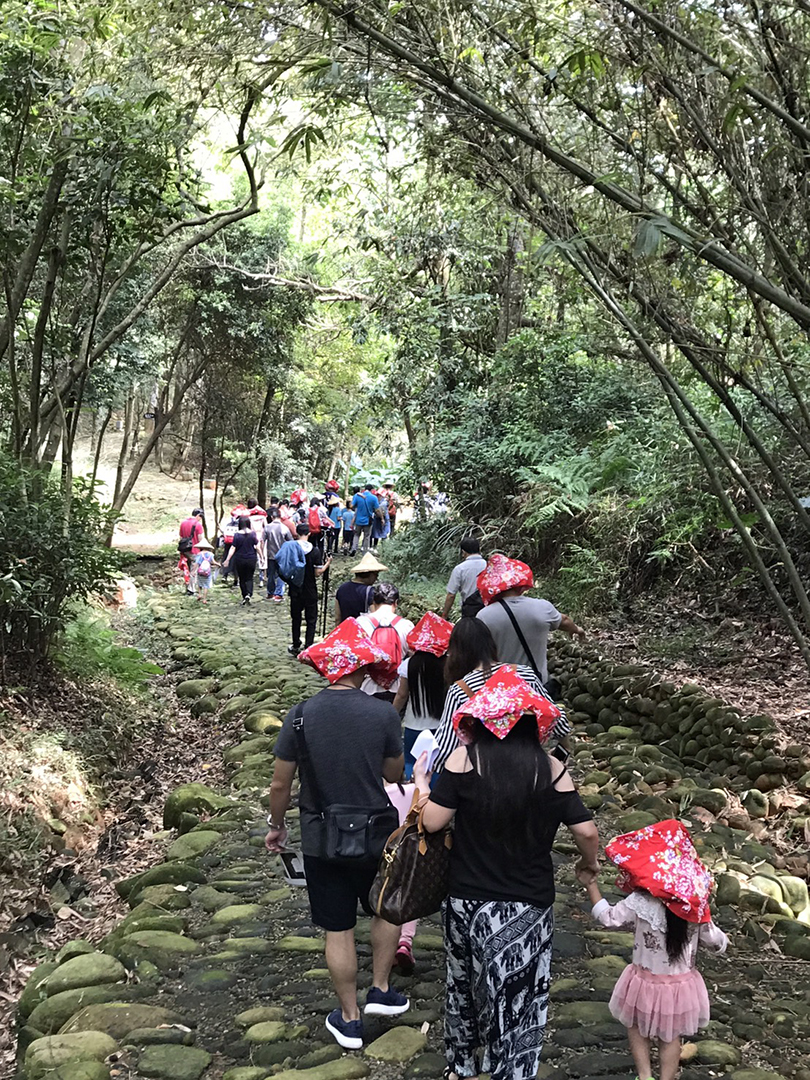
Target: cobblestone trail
column 217, row 972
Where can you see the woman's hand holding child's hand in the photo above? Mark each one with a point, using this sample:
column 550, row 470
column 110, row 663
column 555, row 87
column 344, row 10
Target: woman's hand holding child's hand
column 586, row 873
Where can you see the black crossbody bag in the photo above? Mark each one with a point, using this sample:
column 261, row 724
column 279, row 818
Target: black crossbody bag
column 348, row 833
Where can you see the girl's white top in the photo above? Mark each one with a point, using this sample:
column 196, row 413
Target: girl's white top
column 648, row 918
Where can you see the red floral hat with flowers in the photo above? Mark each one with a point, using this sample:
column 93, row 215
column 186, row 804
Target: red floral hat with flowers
column 501, row 574
column 345, row 650
column 503, row 700
column 431, row 634
column 662, row 860
column 299, row 495
column 332, row 485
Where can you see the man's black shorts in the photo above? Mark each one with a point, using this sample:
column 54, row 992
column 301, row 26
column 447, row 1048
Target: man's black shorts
column 334, row 890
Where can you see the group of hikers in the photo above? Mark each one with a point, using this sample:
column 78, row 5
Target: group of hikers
column 497, row 771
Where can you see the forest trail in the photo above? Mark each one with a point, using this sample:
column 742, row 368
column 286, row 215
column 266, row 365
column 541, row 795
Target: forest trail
column 217, row 972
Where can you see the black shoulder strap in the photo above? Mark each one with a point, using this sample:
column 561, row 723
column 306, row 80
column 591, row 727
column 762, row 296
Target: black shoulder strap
column 524, row 643
column 303, row 756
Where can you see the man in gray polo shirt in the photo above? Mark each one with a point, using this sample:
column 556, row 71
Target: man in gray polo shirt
column 463, row 577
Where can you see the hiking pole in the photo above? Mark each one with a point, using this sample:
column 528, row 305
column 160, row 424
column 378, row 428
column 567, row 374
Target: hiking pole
column 325, row 601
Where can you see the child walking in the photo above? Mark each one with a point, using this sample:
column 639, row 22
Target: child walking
column 660, row 996
column 205, row 562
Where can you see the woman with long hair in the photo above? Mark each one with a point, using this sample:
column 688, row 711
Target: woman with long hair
column 243, row 555
column 471, row 659
column 508, row 798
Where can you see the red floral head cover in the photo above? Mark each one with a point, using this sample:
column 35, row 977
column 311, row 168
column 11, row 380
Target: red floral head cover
column 501, row 574
column 343, row 651
column 431, row 634
column 503, row 700
column 332, row 485
column 661, row 858
column 299, row 495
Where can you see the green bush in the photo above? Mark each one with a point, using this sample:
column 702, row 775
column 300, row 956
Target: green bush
column 50, row 553
column 87, row 648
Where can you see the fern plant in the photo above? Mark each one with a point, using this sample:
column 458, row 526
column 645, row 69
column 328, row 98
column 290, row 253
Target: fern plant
column 553, row 490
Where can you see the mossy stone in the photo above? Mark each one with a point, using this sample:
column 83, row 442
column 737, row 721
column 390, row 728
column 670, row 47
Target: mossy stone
column 210, row 899
column 235, row 914
column 636, row 819
column 54, row 1012
column 160, row 1037
column 194, row 688
column 53, row 1051
column 164, row 897
column 204, row 706
column 291, row 943
column 266, row 1031
column 261, row 722
column 245, row 1072
column 81, row 1070
column 344, row 1068
column 191, row 799
column 118, row 1018
column 260, row 1014
column 34, row 991
column 193, row 844
column 795, row 893
column 173, row 1062
column 606, row 965
column 397, row 1045
column 161, row 948
column 79, row 947
column 711, row 1052
column 572, row 1013
column 173, row 873
column 88, row 969
column 728, row 889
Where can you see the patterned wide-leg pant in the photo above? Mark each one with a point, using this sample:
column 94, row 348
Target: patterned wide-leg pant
column 498, row 975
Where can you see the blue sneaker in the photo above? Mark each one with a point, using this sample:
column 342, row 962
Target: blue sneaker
column 385, row 1002
column 349, row 1033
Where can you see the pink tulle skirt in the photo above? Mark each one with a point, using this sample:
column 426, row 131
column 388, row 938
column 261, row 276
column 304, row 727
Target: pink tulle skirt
column 660, row 1006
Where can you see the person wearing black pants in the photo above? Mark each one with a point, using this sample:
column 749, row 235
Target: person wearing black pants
column 304, row 598
column 243, row 555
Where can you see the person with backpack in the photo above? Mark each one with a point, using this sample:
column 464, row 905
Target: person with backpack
column 275, row 536
column 204, row 564
column 347, row 516
column 389, row 632
column 464, row 580
column 344, row 745
column 319, row 522
column 301, row 570
column 243, row 556
column 364, row 504
column 191, row 532
column 380, row 522
column 519, row 624
column 393, row 504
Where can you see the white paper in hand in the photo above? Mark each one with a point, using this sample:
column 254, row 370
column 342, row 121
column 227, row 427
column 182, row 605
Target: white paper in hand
column 426, row 743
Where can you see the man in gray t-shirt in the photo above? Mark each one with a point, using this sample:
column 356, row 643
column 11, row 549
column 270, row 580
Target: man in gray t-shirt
column 464, row 576
column 536, row 619
column 352, row 744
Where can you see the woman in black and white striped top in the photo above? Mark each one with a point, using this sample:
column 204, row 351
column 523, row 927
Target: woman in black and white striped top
column 471, row 659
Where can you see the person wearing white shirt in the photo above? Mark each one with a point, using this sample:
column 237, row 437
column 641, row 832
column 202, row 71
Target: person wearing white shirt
column 381, row 615
column 464, row 578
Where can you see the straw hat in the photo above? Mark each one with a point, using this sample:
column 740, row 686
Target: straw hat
column 203, row 545
column 369, row 564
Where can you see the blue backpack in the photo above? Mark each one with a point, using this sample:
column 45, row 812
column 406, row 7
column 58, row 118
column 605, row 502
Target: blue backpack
column 291, row 563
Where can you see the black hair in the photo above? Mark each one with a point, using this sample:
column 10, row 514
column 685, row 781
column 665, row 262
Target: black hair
column 514, row 775
column 273, row 514
column 355, row 491
column 302, row 529
column 274, row 500
column 470, row 545
column 197, row 512
column 426, row 685
column 385, row 593
column 251, row 503
column 244, row 522
column 314, row 502
column 283, row 502
column 677, row 935
column 471, row 645
column 369, row 487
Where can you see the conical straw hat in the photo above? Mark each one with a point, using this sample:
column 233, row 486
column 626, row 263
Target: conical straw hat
column 368, row 564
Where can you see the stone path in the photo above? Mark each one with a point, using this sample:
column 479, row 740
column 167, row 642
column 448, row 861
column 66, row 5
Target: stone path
column 217, row 972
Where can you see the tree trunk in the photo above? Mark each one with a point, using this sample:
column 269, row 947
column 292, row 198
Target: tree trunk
column 97, row 456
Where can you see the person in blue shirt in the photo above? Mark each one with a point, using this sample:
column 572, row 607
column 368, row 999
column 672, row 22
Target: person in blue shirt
column 364, row 504
column 347, row 520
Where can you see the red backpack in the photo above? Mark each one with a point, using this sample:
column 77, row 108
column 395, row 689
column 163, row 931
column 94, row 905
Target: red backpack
column 387, row 639
column 314, row 520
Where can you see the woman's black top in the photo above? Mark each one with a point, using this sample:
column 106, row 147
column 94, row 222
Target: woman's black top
column 244, row 546
column 483, row 868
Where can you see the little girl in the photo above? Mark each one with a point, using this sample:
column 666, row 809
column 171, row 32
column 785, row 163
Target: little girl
column 205, row 563
column 660, row 995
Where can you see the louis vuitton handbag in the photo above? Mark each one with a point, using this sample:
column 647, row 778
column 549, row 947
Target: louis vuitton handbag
column 413, row 878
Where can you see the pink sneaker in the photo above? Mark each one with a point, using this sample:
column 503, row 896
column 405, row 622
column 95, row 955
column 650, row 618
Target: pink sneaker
column 404, row 958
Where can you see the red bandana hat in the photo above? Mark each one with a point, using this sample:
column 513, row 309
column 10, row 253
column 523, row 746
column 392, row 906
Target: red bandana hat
column 343, row 651
column 431, row 634
column 501, row 574
column 332, row 485
column 299, row 495
column 661, row 858
column 503, row 700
